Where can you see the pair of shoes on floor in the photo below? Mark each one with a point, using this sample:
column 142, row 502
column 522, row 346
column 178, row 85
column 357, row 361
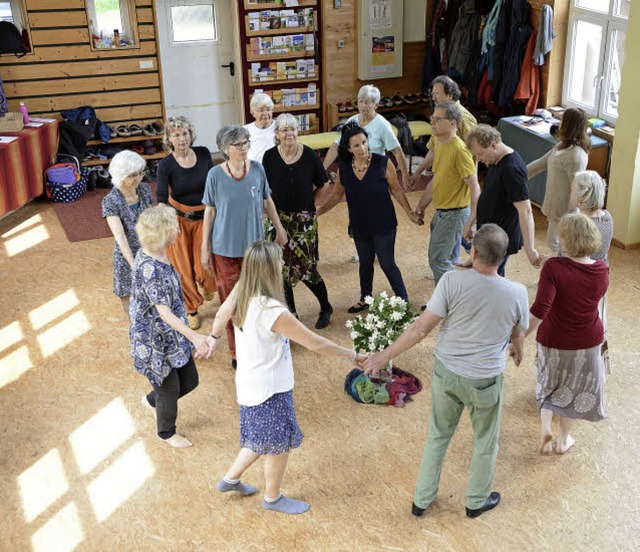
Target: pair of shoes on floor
column 128, row 130
column 323, row 318
column 194, row 321
column 206, row 295
column 358, row 307
column 490, row 504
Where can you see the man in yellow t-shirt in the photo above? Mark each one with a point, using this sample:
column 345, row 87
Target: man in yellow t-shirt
column 454, row 189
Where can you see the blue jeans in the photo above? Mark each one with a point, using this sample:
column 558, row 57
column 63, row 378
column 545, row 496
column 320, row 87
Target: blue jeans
column 455, row 256
column 382, row 246
column 446, row 226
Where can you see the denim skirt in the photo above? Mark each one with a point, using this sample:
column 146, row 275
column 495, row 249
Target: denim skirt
column 270, row 427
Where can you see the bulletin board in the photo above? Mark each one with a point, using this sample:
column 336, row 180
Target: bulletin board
column 381, row 39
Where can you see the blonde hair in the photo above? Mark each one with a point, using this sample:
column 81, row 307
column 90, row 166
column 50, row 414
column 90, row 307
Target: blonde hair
column 177, row 123
column 285, row 120
column 484, row 136
column 157, row 227
column 590, row 190
column 261, row 276
column 579, row 236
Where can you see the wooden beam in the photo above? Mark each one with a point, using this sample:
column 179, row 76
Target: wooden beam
column 96, row 99
column 56, row 87
column 14, row 73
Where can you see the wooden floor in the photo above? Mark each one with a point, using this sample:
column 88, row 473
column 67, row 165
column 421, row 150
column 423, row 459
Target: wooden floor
column 82, row 469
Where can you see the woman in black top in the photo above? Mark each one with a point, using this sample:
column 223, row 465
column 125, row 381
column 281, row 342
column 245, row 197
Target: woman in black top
column 368, row 180
column 296, row 177
column 181, row 180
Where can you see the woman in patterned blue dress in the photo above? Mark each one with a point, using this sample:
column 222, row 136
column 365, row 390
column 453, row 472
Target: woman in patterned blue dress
column 122, row 207
column 263, row 327
column 161, row 340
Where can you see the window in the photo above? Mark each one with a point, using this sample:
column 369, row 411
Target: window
column 595, row 56
column 12, row 11
column 112, row 23
column 192, row 21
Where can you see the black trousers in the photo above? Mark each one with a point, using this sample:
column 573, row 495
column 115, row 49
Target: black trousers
column 178, row 383
column 319, row 290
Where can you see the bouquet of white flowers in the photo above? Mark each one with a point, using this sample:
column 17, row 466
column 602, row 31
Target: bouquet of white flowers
column 388, row 317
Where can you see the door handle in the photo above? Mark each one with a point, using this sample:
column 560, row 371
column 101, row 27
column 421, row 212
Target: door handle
column 232, row 68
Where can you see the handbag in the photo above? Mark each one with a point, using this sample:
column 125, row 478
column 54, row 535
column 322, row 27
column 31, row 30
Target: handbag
column 66, row 181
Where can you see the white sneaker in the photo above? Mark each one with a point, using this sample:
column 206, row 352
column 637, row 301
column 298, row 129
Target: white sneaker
column 355, row 259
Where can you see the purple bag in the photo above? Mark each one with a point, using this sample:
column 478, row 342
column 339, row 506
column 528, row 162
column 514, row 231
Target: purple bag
column 63, row 173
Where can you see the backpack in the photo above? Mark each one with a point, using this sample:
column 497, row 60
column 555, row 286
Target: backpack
column 404, row 133
column 10, row 39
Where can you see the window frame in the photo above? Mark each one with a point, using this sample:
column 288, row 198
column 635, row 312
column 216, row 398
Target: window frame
column 128, row 12
column 21, row 22
column 610, row 23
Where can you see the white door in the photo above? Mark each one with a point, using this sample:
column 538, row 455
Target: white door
column 196, row 40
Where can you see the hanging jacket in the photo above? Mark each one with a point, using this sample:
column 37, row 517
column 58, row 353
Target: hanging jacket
column 519, row 35
column 3, row 99
column 463, row 36
column 529, row 85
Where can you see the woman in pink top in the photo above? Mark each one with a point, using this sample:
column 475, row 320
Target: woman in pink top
column 569, row 333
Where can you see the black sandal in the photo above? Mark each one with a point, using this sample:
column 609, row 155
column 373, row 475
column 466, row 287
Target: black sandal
column 358, row 307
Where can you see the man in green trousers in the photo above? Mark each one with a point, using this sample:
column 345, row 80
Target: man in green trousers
column 480, row 313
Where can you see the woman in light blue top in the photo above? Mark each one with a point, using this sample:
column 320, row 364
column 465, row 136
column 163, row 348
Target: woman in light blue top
column 236, row 196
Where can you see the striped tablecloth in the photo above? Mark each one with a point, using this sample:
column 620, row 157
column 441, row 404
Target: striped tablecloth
column 23, row 162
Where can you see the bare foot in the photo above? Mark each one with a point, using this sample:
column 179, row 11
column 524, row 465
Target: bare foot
column 465, row 264
column 145, row 402
column 562, row 448
column 545, row 444
column 178, row 441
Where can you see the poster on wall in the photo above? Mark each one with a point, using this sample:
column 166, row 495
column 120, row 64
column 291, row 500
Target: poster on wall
column 380, row 14
column 382, row 54
column 380, row 42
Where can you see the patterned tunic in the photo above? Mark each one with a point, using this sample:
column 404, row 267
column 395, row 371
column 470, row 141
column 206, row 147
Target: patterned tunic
column 156, row 348
column 115, row 205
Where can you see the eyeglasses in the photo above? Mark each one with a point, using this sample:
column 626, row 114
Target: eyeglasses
column 138, row 174
column 240, row 145
column 288, row 129
column 264, row 110
column 435, row 119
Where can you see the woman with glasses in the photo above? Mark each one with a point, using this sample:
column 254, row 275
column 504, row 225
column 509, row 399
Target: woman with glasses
column 236, row 196
column 262, row 130
column 296, row 176
column 181, row 179
column 122, row 207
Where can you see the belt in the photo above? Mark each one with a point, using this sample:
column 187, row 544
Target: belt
column 191, row 215
column 454, row 209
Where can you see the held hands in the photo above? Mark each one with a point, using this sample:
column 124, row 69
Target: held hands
column 416, row 218
column 357, row 362
column 412, row 181
column 203, row 349
column 371, row 366
column 535, row 258
column 468, row 231
column 515, row 354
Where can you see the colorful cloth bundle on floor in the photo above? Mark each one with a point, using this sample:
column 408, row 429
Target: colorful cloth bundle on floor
column 397, row 392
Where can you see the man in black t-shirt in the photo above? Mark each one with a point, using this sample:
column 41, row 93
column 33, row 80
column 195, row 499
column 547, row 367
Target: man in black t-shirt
column 505, row 197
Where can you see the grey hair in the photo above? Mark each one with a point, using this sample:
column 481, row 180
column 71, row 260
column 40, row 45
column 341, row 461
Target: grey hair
column 284, row 120
column 259, row 100
column 124, row 164
column 590, row 190
column 450, row 86
column 369, row 92
column 177, row 123
column 451, row 111
column 228, row 135
column 490, row 243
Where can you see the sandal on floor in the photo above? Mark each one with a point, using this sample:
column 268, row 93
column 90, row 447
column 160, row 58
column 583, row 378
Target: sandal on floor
column 358, row 307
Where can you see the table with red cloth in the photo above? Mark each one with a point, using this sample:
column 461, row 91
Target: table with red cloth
column 23, row 163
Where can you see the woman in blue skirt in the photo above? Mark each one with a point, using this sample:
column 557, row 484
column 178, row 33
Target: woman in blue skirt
column 264, row 379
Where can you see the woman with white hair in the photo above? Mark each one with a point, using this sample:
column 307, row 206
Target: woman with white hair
column 262, row 130
column 236, row 196
column 296, row 176
column 587, row 194
column 122, row 207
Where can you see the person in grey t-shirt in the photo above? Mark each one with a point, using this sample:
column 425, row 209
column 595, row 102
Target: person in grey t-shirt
column 236, row 196
column 480, row 311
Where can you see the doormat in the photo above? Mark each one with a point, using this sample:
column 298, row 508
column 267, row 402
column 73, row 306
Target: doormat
column 82, row 220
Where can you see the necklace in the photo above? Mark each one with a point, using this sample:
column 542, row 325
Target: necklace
column 363, row 169
column 288, row 160
column 244, row 171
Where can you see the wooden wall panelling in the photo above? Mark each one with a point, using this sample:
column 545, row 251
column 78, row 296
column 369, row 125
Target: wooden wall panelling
column 63, row 71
